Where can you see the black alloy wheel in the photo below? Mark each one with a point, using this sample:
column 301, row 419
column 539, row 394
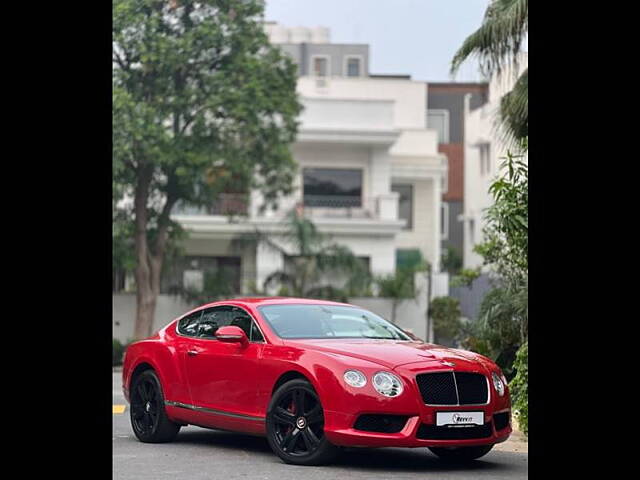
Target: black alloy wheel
column 148, row 417
column 295, row 425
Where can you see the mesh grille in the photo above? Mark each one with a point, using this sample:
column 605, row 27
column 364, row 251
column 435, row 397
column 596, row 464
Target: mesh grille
column 440, row 388
column 472, row 388
column 437, row 388
column 501, row 420
column 434, row 432
column 381, row 423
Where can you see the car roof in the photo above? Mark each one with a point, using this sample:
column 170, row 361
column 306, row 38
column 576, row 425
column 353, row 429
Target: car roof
column 259, row 301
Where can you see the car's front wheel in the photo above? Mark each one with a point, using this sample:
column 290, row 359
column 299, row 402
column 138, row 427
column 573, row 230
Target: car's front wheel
column 461, row 454
column 148, row 417
column 295, row 423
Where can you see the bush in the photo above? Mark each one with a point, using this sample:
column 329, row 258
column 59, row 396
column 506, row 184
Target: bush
column 446, row 314
column 118, row 351
column 519, row 387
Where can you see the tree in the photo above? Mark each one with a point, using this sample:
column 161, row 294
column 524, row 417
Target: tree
column 314, row 262
column 497, row 44
column 400, row 286
column 201, row 104
column 446, row 315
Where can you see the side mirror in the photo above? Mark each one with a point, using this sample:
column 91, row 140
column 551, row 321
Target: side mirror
column 232, row 334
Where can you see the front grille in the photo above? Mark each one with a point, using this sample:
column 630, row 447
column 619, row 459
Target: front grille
column 381, row 423
column 501, row 420
column 434, row 432
column 439, row 388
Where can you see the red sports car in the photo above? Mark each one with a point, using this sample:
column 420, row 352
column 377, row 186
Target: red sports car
column 313, row 376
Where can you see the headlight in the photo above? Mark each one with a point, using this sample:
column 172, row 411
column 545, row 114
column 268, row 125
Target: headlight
column 355, row 378
column 498, row 384
column 387, row 384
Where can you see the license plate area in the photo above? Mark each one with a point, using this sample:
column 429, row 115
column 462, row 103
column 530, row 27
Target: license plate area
column 459, row 419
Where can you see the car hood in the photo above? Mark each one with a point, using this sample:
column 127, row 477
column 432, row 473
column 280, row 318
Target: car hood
column 390, row 353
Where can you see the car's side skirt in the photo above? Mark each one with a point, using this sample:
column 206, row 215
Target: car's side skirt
column 211, row 410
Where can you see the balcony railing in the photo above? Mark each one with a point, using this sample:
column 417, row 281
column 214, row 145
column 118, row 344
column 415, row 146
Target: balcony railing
column 224, row 204
column 333, row 206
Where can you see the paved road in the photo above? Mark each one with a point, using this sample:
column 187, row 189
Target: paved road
column 210, row 454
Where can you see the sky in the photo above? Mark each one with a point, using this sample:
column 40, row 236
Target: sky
column 416, row 37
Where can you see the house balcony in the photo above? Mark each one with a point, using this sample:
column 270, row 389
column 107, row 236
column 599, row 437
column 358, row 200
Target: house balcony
column 225, row 204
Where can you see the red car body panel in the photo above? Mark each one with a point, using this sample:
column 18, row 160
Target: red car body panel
column 229, row 386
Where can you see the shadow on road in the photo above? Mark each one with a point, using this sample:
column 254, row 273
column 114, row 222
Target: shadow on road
column 365, row 459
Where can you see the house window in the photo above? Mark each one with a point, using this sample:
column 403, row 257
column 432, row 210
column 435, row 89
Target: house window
column 485, row 159
column 438, row 120
column 213, row 275
column 320, row 65
column 353, row 66
column 332, row 188
column 444, row 220
column 405, row 203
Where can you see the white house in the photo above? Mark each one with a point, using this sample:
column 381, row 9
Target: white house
column 370, row 174
column 484, row 153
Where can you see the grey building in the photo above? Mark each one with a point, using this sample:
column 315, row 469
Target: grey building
column 445, row 113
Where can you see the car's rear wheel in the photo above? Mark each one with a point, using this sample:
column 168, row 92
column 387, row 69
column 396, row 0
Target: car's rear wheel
column 148, row 417
column 461, row 454
column 295, row 425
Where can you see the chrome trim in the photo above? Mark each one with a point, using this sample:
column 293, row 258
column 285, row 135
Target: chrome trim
column 456, row 385
column 212, row 410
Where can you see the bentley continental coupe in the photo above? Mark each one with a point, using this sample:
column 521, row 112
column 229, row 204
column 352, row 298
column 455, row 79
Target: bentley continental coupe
column 313, row 376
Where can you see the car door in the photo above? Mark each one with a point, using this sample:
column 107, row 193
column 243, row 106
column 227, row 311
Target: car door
column 221, row 375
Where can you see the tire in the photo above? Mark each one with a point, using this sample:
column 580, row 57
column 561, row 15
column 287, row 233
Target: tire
column 298, row 439
column 461, row 454
column 147, row 413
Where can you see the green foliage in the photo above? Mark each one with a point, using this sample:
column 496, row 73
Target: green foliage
column 312, row 261
column 519, row 387
column 496, row 44
column 445, row 312
column 118, row 351
column 465, row 277
column 451, row 260
column 497, row 328
column 400, row 286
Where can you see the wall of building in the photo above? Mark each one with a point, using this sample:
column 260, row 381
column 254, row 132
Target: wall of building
column 410, row 315
column 302, row 53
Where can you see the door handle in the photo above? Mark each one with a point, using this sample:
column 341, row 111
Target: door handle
column 192, row 353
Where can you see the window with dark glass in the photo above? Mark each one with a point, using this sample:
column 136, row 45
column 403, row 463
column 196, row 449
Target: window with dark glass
column 205, row 323
column 333, row 188
column 218, row 276
column 405, row 203
column 189, row 325
column 353, row 67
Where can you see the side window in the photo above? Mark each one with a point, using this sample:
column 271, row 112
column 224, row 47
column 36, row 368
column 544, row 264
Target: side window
column 256, row 334
column 205, row 323
column 240, row 318
column 189, row 324
column 212, row 319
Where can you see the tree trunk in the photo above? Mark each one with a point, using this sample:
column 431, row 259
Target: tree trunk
column 149, row 263
column 394, row 306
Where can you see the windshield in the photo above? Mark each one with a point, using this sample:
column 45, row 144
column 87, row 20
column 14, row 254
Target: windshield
column 328, row 321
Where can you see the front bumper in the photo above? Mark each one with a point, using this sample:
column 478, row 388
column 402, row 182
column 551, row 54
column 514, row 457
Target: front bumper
column 407, row 437
column 340, row 420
